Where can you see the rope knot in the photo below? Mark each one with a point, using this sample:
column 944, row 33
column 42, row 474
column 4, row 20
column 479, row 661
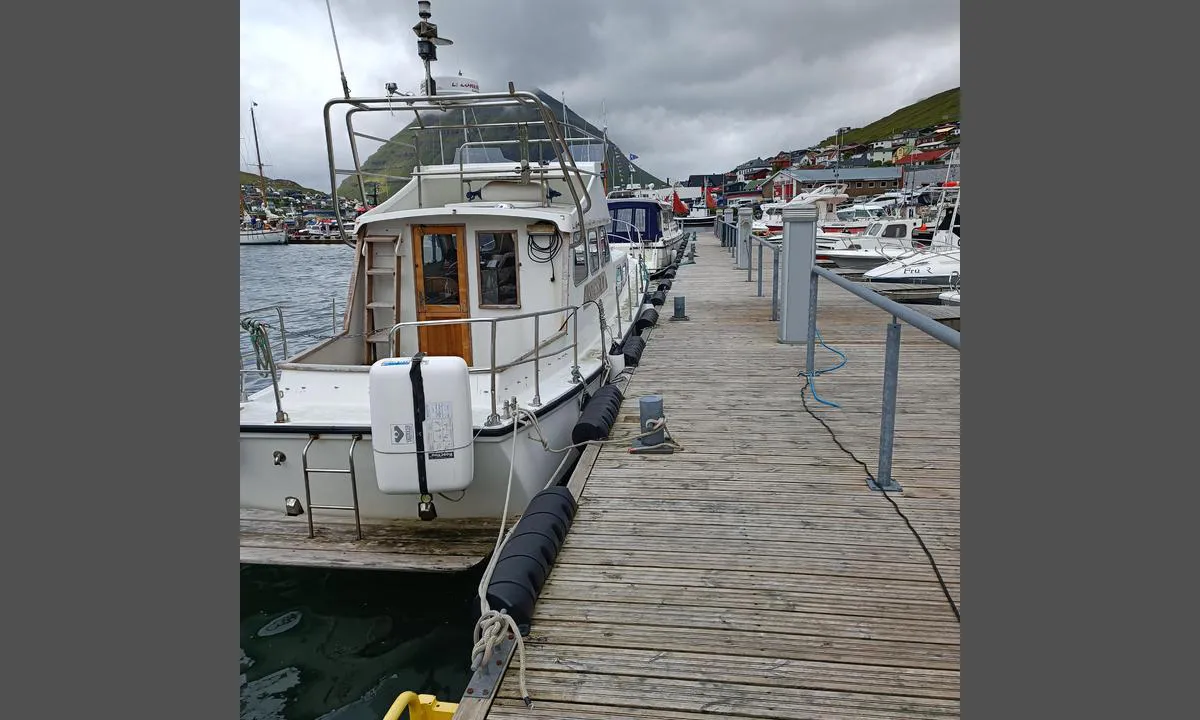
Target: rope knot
column 489, row 633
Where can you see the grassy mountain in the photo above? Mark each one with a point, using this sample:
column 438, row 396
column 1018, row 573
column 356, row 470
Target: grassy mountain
column 278, row 184
column 932, row 110
column 399, row 159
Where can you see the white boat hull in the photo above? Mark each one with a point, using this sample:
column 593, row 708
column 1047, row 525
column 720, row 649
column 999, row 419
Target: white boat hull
column 265, row 485
column 263, row 237
column 858, row 259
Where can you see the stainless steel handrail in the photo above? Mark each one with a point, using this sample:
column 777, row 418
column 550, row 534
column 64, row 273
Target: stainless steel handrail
column 282, row 330
column 776, row 247
column 416, row 104
column 492, row 370
column 924, row 323
column 273, row 371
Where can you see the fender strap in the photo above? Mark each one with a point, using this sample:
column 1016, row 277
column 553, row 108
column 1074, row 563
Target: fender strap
column 425, row 507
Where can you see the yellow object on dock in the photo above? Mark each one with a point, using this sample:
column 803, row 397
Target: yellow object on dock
column 420, row 707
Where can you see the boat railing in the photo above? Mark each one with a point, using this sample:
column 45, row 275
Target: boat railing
column 541, row 172
column 437, row 105
column 891, row 359
column 260, row 342
column 268, row 355
column 641, row 240
column 532, row 356
column 883, row 479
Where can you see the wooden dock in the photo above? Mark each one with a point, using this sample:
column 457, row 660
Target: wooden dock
column 273, row 538
column 754, row 574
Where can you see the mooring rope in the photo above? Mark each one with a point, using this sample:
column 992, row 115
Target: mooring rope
column 492, row 624
column 261, row 343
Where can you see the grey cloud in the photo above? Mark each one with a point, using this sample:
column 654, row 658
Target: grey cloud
column 689, row 87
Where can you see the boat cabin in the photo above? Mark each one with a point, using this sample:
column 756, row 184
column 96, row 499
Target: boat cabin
column 496, row 259
column 639, row 220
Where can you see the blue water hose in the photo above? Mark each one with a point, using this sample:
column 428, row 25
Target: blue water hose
column 812, row 384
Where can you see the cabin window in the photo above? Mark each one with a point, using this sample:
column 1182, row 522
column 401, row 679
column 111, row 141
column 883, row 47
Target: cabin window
column 593, row 250
column 578, row 257
column 497, row 252
column 605, row 251
column 439, row 274
column 894, row 231
column 631, row 216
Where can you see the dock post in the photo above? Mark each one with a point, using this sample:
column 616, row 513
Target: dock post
column 727, row 213
column 741, row 259
column 887, row 422
column 760, row 269
column 799, row 249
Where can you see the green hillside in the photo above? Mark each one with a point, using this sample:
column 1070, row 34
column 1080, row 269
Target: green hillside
column 932, row 110
column 278, row 184
column 399, row 159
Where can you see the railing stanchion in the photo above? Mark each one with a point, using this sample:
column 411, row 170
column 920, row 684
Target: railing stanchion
column 810, row 364
column 576, row 376
column 537, row 375
column 887, row 423
column 760, row 267
column 494, row 418
column 282, row 332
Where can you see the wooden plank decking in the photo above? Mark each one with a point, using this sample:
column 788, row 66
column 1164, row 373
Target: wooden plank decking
column 754, row 574
column 272, row 538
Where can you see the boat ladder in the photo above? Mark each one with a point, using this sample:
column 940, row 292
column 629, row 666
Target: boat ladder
column 331, row 471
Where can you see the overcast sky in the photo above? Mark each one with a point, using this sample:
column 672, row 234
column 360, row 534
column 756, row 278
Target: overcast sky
column 689, row 87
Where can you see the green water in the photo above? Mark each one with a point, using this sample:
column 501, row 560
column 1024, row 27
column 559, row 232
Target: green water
column 342, row 644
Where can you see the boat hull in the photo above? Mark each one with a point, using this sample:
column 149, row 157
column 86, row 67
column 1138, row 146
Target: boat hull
column 264, row 237
column 265, row 485
column 941, row 279
column 854, row 262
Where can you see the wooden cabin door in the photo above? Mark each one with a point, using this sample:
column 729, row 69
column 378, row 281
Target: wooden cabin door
column 440, row 268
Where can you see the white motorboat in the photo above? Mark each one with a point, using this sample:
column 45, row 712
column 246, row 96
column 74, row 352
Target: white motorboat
column 927, row 266
column 647, row 228
column 825, row 198
column 488, row 289
column 883, row 241
column 701, row 211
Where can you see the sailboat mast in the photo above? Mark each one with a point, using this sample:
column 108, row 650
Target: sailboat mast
column 262, row 178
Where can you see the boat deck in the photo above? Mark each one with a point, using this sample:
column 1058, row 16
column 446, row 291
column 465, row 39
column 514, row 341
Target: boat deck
column 753, row 573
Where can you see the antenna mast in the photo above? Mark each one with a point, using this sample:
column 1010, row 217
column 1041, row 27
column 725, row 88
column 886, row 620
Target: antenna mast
column 338, row 51
column 427, row 42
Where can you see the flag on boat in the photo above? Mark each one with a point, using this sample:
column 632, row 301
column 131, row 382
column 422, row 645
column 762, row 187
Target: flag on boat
column 710, row 201
column 677, row 205
column 632, row 157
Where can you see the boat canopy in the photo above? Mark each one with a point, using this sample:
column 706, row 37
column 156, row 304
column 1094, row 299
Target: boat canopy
column 645, row 214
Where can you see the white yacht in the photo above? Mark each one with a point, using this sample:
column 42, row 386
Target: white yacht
column 647, row 229
column 882, row 242
column 485, row 293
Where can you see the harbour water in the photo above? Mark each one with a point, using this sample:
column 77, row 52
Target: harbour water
column 338, row 644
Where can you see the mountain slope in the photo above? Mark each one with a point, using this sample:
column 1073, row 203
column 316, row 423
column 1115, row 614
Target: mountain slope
column 399, row 159
column 942, row 107
column 278, row 184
